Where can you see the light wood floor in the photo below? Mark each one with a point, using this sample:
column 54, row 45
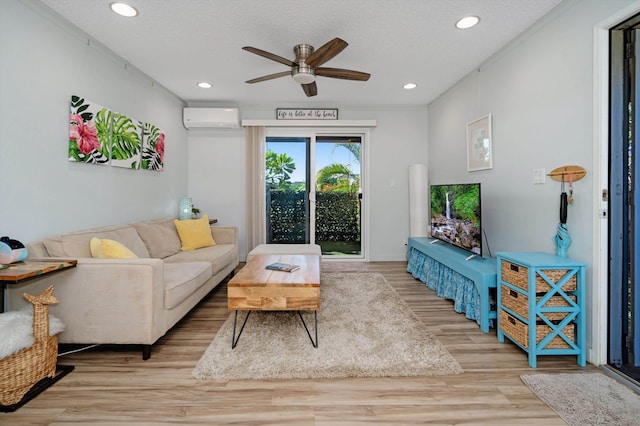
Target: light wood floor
column 114, row 386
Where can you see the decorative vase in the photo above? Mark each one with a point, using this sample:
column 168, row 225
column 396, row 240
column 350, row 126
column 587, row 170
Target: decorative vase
column 186, row 205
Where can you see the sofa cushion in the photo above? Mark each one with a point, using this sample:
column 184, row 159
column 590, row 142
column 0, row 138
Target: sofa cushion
column 76, row 244
column 219, row 256
column 160, row 237
column 182, row 279
column 284, row 249
column 103, row 248
column 194, row 233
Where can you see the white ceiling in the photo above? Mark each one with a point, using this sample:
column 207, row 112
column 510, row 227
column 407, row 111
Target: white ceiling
column 181, row 42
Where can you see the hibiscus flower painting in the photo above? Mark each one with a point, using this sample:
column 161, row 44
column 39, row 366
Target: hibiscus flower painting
column 89, row 132
column 152, row 148
column 126, row 142
column 98, row 135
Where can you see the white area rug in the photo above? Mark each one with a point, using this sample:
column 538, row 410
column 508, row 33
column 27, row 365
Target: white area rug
column 583, row 399
column 365, row 330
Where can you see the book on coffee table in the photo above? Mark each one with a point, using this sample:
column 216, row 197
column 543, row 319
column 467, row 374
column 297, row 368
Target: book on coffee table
column 286, row 267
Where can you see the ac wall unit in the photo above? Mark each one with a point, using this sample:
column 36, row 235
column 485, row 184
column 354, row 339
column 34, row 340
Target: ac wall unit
column 221, row 118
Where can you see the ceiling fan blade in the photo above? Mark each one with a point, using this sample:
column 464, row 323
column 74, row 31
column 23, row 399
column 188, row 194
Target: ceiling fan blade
column 310, row 89
column 326, row 52
column 344, row 74
column 271, row 56
column 269, row 77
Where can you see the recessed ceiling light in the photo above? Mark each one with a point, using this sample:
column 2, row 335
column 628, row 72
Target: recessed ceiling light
column 410, row 86
column 204, row 85
column 123, row 9
column 467, row 22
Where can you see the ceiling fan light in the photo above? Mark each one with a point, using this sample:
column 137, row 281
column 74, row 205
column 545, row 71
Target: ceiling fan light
column 123, row 9
column 303, row 77
column 467, row 22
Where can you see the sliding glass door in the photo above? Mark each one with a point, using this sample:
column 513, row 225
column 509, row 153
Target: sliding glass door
column 338, row 224
column 314, row 191
column 624, row 235
column 287, row 190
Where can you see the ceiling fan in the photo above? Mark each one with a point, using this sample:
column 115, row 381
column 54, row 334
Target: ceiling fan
column 306, row 66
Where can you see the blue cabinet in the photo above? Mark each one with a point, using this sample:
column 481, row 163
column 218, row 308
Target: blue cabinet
column 541, row 304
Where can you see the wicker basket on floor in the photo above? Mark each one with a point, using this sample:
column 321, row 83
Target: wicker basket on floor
column 22, row 370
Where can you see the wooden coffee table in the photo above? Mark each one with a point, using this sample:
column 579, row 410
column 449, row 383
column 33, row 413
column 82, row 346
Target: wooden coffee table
column 255, row 288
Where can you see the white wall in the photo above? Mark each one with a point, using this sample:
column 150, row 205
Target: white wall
column 217, row 171
column 43, row 61
column 217, row 177
column 539, row 90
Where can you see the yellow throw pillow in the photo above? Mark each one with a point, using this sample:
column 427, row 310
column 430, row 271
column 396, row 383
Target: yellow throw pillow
column 109, row 249
column 194, row 233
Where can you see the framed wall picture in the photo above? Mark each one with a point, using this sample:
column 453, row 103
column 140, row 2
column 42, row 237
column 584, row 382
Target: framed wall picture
column 479, row 150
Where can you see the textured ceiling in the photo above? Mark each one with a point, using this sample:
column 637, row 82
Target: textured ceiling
column 181, row 42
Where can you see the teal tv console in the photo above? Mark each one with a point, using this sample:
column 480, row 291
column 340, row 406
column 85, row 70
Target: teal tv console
column 471, row 283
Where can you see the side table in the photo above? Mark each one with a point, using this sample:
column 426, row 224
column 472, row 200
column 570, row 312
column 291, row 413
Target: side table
column 17, row 273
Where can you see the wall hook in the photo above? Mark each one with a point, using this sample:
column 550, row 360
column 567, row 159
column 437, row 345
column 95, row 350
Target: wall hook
column 567, row 173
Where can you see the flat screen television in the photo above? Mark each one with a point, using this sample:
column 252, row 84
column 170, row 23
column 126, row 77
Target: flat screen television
column 456, row 215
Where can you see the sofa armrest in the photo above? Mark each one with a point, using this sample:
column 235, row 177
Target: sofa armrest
column 36, row 249
column 110, row 301
column 225, row 234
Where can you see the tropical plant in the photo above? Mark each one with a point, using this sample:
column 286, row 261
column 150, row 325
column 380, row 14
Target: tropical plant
column 79, row 107
column 337, row 177
column 298, row 187
column 340, row 177
column 353, row 148
column 125, row 139
column 278, row 169
column 103, row 120
column 153, row 150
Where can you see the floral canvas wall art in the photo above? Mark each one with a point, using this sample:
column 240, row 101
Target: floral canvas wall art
column 126, row 142
column 153, row 140
column 89, row 131
column 98, row 135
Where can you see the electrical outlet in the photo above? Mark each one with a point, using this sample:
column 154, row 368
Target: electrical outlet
column 538, row 176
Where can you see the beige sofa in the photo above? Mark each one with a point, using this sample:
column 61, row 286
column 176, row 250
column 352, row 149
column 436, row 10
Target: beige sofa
column 130, row 301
